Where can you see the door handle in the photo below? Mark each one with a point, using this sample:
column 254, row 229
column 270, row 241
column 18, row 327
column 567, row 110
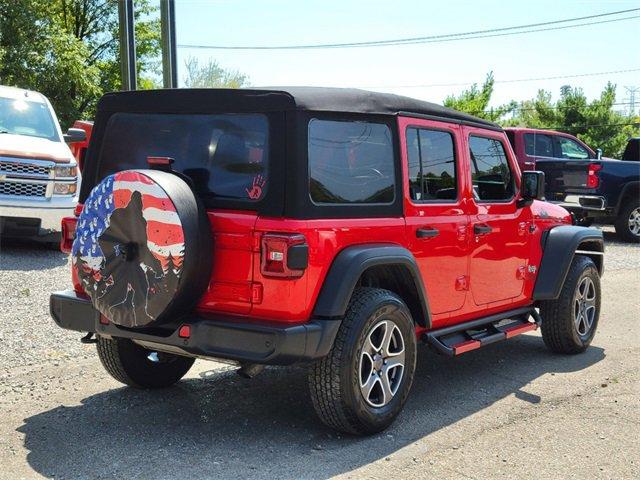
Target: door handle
column 482, row 229
column 427, row 232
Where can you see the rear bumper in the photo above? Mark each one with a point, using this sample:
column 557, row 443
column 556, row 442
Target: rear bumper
column 230, row 339
column 584, row 202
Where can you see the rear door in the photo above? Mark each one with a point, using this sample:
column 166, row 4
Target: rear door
column 435, row 209
column 499, row 245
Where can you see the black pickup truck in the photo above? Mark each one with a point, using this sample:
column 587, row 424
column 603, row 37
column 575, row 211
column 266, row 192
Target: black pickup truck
column 595, row 189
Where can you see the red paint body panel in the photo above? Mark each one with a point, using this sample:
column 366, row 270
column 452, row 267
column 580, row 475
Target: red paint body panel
column 292, row 300
column 528, row 162
column 230, row 287
column 496, row 258
column 78, row 149
column 443, row 259
column 466, row 275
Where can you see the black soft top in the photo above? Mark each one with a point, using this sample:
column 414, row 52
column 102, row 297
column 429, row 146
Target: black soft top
column 344, row 100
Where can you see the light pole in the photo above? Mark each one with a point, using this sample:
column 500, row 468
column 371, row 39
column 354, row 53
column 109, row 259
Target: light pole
column 127, row 45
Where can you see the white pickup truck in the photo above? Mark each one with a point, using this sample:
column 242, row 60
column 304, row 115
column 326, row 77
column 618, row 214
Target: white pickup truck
column 39, row 178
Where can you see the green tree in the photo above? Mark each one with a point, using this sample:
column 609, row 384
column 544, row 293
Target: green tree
column 597, row 123
column 69, row 51
column 475, row 101
column 211, row 75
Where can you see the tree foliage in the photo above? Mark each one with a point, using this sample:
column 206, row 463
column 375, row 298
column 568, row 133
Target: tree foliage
column 597, row 123
column 475, row 101
column 211, row 75
column 68, row 50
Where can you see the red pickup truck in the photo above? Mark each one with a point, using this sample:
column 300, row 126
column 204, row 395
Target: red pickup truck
column 593, row 188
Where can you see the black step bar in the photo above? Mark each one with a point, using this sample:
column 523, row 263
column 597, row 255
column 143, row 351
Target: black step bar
column 467, row 336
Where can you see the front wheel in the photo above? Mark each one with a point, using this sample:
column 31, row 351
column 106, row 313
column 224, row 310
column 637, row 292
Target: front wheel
column 628, row 222
column 362, row 384
column 569, row 322
column 133, row 365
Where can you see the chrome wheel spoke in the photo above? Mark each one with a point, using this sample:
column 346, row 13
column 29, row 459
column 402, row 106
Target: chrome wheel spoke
column 388, row 337
column 369, row 347
column 387, row 392
column 382, row 362
column 634, row 221
column 395, row 361
column 584, row 306
column 366, row 368
column 369, row 387
column 589, row 315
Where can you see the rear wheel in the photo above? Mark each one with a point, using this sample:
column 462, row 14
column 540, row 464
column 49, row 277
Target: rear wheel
column 569, row 322
column 362, row 385
column 628, row 221
column 133, row 365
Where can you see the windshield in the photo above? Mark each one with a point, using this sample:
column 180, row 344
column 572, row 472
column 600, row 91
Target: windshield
column 24, row 117
column 225, row 155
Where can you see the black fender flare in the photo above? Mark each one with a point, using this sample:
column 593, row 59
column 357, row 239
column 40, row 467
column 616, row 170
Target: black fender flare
column 559, row 247
column 347, row 268
column 629, row 186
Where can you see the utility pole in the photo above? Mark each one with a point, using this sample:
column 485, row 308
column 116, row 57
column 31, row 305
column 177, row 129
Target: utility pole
column 168, row 35
column 632, row 99
column 128, row 69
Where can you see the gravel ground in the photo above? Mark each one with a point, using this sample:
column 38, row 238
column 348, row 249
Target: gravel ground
column 510, row 410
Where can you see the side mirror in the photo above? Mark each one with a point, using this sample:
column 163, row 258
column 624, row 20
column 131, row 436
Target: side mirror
column 74, row 135
column 599, row 153
column 531, row 187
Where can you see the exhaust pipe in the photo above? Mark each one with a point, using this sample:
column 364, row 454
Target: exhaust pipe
column 250, row 370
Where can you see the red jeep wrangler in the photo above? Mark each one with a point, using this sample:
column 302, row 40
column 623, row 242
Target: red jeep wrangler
column 329, row 226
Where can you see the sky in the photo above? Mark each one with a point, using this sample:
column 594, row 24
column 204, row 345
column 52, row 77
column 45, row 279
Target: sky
column 412, row 70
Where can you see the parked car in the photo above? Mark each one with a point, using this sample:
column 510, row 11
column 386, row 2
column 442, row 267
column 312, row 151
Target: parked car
column 333, row 227
column 38, row 176
column 594, row 188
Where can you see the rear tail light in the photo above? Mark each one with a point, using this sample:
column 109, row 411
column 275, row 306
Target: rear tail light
column 69, row 225
column 284, row 255
column 593, row 180
column 160, row 162
column 68, row 233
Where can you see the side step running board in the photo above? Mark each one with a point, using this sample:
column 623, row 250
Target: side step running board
column 464, row 337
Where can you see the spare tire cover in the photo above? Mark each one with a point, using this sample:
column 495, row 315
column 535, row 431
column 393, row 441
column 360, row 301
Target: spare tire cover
column 142, row 249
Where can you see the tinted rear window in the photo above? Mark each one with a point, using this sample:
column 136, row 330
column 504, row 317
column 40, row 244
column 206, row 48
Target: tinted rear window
column 538, row 145
column 225, row 155
column 350, row 162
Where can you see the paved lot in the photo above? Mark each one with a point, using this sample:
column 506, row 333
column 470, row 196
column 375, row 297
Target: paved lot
column 512, row 410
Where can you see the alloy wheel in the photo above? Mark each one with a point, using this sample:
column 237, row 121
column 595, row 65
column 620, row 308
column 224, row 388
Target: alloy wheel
column 584, row 306
column 382, row 363
column 634, row 222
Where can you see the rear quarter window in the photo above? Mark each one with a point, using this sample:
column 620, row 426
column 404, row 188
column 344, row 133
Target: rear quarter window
column 350, row 162
column 226, row 155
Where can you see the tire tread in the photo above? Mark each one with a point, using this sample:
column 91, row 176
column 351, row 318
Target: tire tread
column 557, row 315
column 324, row 375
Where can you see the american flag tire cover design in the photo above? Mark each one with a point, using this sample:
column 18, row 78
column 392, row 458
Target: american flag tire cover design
column 129, row 248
